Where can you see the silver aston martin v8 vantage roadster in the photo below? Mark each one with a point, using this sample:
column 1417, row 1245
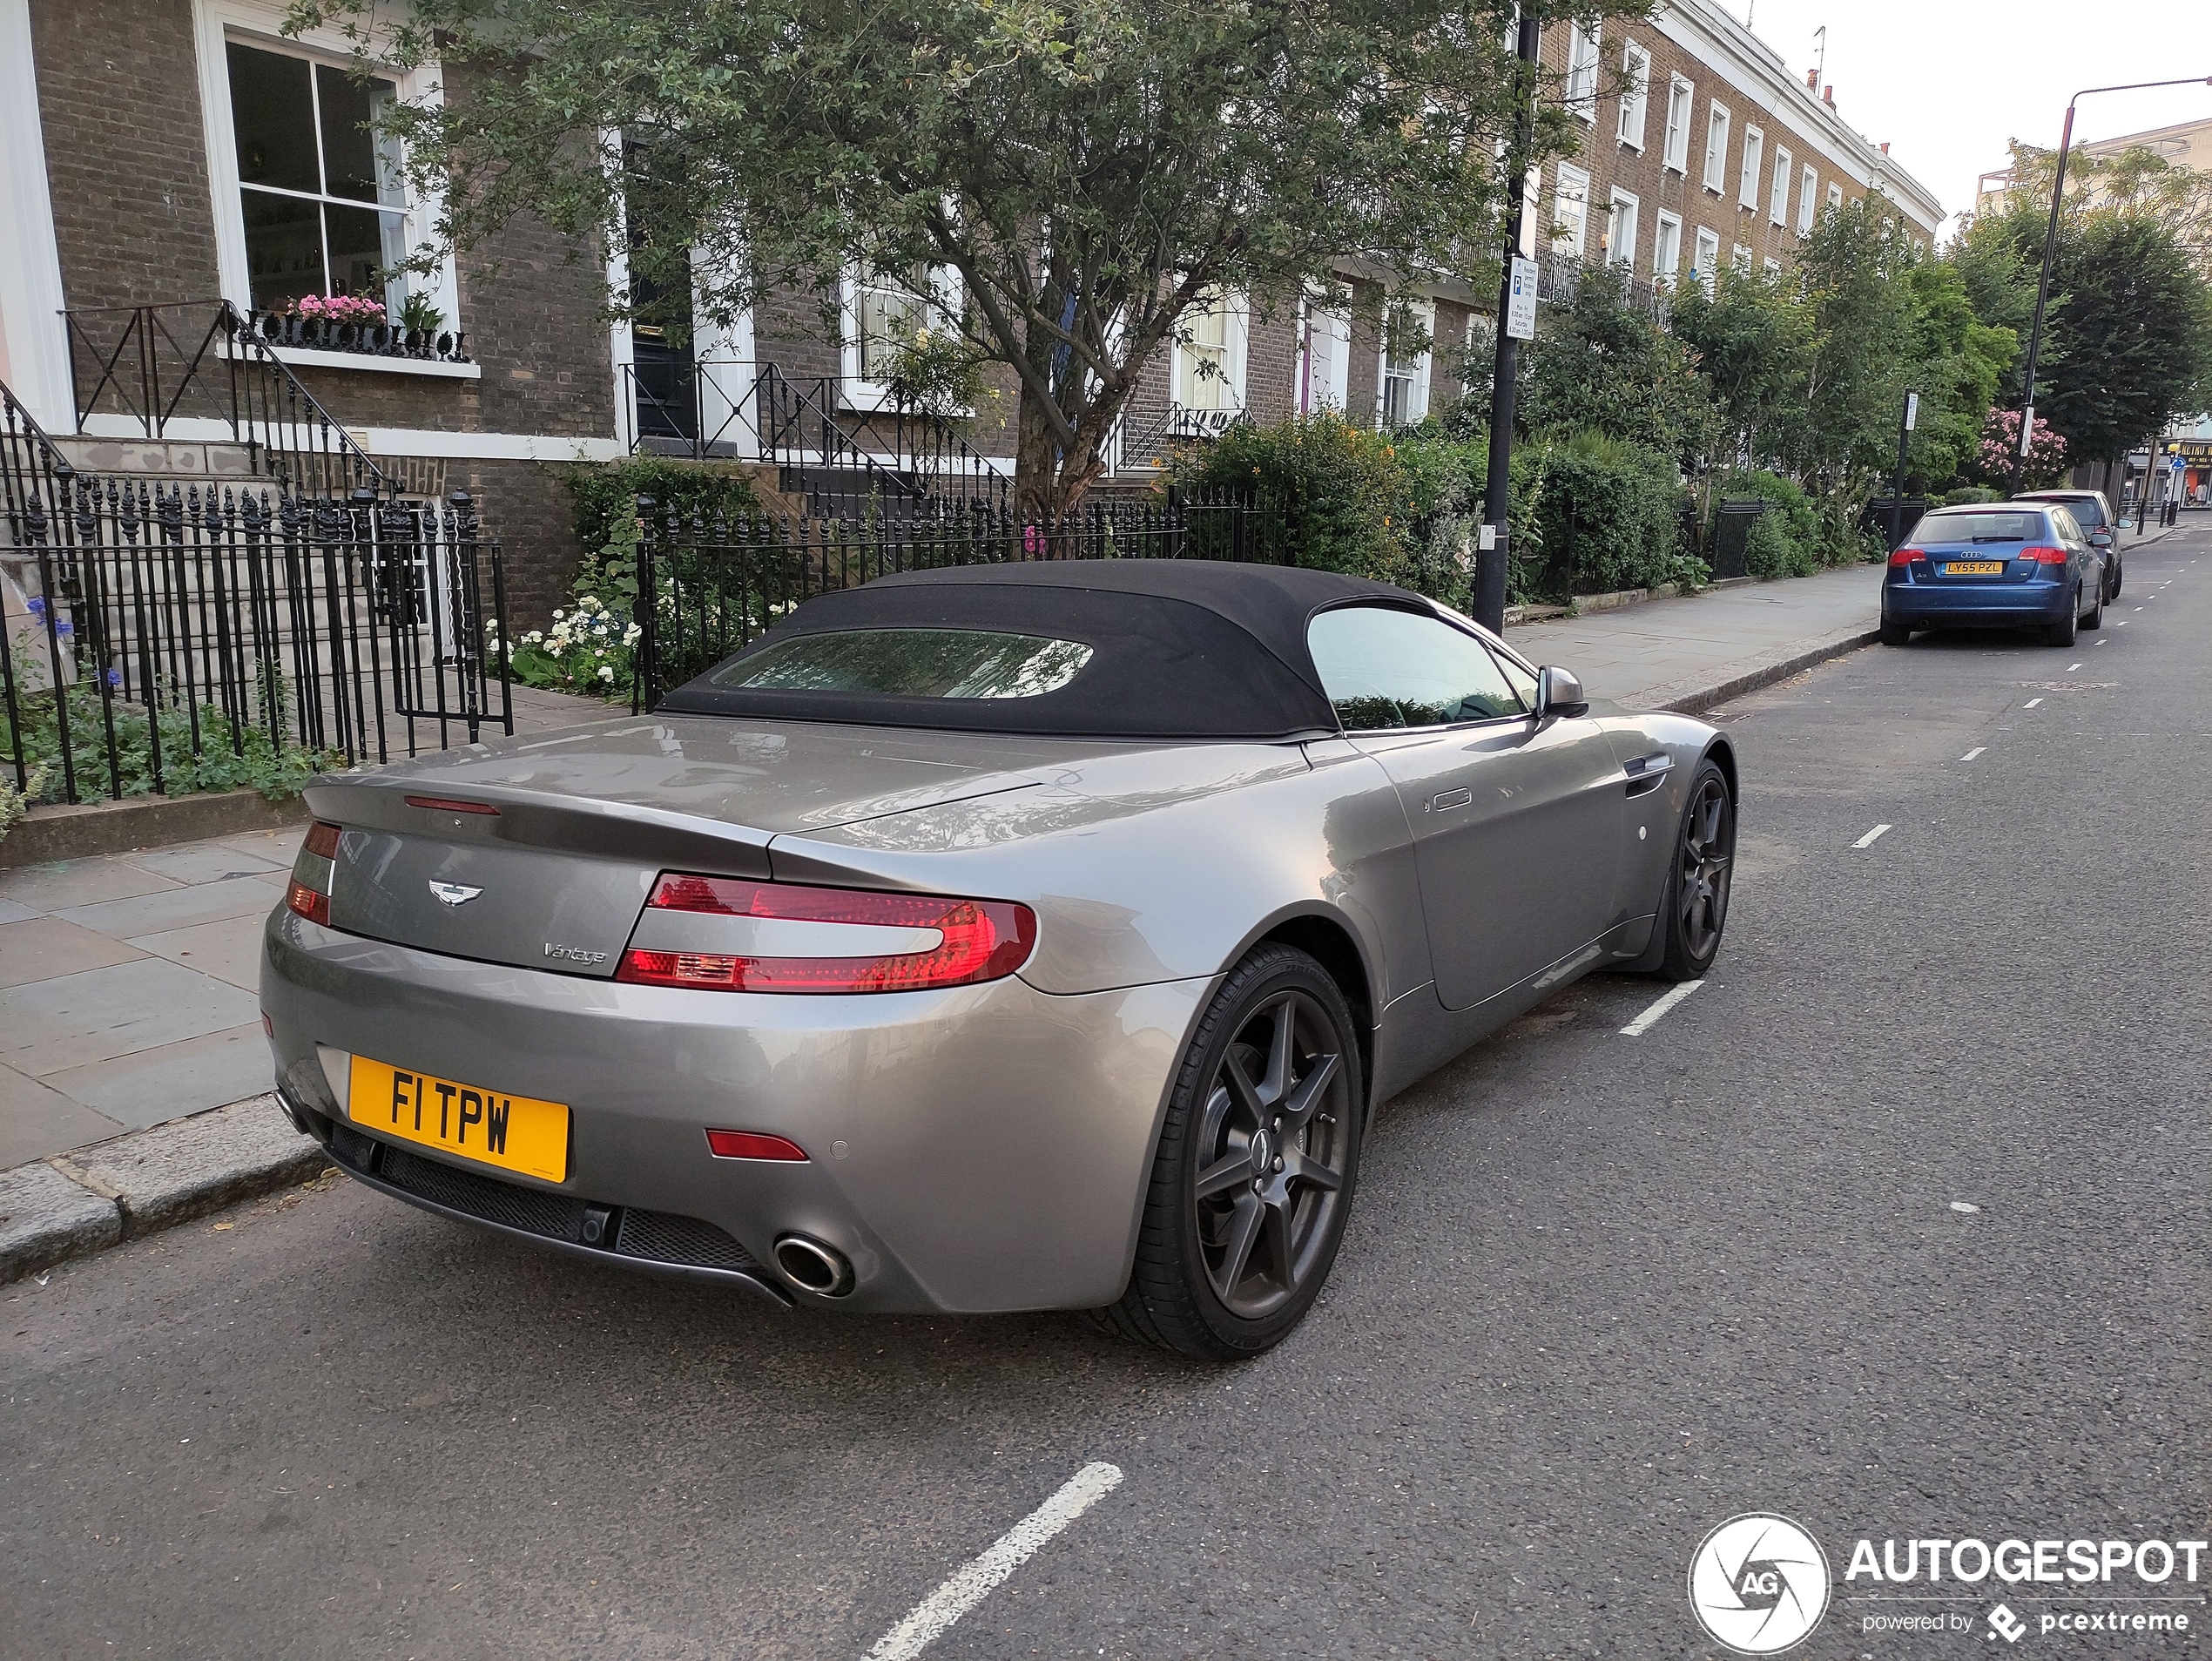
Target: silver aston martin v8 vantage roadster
column 1009, row 937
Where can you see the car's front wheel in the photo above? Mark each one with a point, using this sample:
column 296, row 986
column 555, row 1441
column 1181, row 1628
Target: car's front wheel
column 1704, row 870
column 1257, row 1162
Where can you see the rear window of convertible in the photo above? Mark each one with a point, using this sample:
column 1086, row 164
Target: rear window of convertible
column 911, row 662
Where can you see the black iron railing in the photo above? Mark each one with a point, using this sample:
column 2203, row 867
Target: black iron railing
column 706, row 588
column 823, row 451
column 200, row 368
column 161, row 639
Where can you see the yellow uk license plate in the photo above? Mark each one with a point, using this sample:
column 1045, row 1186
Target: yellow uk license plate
column 514, row 1132
column 1974, row 568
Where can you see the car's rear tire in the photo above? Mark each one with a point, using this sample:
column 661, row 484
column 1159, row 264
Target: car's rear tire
column 2112, row 592
column 1696, row 911
column 1896, row 634
column 2062, row 634
column 1257, row 1163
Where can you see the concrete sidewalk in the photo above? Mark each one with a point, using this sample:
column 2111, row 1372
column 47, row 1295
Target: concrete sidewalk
column 1689, row 652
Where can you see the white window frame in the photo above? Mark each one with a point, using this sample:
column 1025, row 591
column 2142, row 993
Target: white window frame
column 1665, row 248
column 1621, row 230
column 1716, row 125
column 1772, row 266
column 260, row 24
column 1747, row 187
column 1834, row 194
column 1778, row 207
column 1570, row 233
column 1681, row 104
column 856, row 390
column 1635, row 102
column 1417, row 395
column 1739, row 259
column 1808, row 199
column 1324, row 357
column 1582, row 71
column 1234, row 305
column 1705, row 258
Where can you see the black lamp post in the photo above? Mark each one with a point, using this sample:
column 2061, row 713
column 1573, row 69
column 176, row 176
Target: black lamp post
column 1488, row 599
column 2050, row 243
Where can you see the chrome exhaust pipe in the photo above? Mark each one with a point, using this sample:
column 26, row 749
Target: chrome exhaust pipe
column 813, row 1267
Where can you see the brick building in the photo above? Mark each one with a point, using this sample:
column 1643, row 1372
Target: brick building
column 174, row 152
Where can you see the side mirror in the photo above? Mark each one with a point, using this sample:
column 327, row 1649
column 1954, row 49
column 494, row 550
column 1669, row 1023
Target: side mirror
column 2100, row 539
column 1558, row 692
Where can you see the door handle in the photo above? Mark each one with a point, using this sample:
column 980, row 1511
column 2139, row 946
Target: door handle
column 1451, row 798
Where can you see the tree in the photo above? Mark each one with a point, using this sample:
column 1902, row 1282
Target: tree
column 1958, row 361
column 1751, row 341
column 1602, row 364
column 1862, row 343
column 1086, row 170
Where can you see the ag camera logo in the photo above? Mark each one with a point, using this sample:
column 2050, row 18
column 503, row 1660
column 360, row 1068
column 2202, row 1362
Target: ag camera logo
column 1759, row 1584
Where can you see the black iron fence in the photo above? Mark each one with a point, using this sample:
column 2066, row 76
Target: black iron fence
column 201, row 370
column 706, row 588
column 162, row 639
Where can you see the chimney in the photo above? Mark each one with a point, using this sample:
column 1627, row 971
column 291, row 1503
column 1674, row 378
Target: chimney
column 1885, row 146
column 1828, row 96
column 1813, row 80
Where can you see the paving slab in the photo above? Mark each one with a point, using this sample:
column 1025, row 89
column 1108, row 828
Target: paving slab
column 45, row 1218
column 77, row 882
column 164, row 1176
column 230, row 949
column 146, row 913
column 171, row 1080
column 200, row 862
column 11, row 912
column 41, row 948
column 99, row 1013
column 36, row 1119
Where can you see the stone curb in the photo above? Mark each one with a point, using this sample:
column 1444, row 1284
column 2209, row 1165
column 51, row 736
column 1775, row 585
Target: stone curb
column 75, row 1204
column 76, row 833
column 1698, row 700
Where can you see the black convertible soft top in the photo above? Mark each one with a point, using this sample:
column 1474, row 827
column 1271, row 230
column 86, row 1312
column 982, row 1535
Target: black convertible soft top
column 1180, row 648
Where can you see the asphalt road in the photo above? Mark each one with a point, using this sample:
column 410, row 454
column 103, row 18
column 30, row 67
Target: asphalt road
column 1600, row 1294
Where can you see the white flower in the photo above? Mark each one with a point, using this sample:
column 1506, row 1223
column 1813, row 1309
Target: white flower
column 535, row 635
column 631, row 635
column 558, row 614
column 607, row 673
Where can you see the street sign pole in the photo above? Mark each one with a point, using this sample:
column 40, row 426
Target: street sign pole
column 1517, row 281
column 1905, row 423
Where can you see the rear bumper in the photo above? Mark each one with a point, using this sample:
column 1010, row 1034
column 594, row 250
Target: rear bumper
column 978, row 1149
column 1965, row 606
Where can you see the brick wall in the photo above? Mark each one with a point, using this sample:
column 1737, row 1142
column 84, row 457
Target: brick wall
column 126, row 160
column 526, row 506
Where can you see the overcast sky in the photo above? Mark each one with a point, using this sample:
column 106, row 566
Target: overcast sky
column 1948, row 82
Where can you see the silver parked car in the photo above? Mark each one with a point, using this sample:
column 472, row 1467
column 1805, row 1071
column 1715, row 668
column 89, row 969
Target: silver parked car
column 1001, row 938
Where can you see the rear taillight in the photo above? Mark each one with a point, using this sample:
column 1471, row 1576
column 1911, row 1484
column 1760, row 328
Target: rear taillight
column 2045, row 555
column 821, row 940
column 1906, row 555
column 309, row 895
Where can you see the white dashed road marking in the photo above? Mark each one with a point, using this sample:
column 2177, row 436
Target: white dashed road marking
column 1964, row 1205
column 2031, row 703
column 934, row 1614
column 2071, row 667
column 1658, row 1007
column 1976, row 751
column 1871, row 837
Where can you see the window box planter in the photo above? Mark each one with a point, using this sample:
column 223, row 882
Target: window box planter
column 288, row 332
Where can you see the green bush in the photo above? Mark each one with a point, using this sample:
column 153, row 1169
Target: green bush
column 1612, row 508
column 1967, row 494
column 230, row 758
column 1769, row 551
column 605, row 496
column 1346, row 492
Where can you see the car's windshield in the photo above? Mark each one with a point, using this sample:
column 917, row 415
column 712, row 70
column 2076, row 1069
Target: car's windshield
column 911, row 662
column 2015, row 526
